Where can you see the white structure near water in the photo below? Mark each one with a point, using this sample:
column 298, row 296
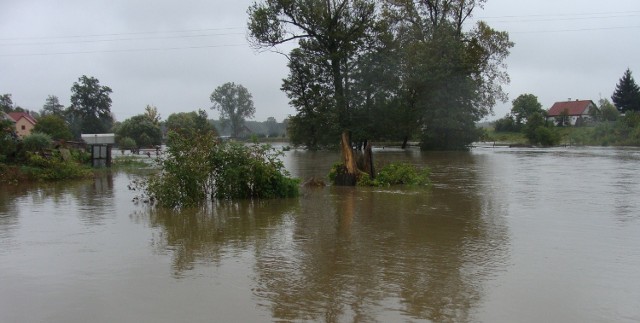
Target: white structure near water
column 100, row 148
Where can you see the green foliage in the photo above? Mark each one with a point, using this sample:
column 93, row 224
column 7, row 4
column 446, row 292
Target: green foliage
column 198, row 167
column 539, row 133
column 52, row 106
column 188, row 124
column 607, row 111
column 395, row 72
column 127, row 143
column 90, row 108
column 53, row 168
column 235, row 105
column 55, row 126
column 402, row 174
column 129, row 162
column 142, row 129
column 506, row 124
column 524, row 106
column 8, row 141
column 391, row 174
column 36, row 142
column 6, row 103
column 546, row 136
column 626, row 97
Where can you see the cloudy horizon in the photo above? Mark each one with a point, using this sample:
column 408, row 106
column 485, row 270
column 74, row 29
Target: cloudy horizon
column 173, row 55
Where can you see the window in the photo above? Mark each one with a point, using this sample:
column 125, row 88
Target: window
column 23, row 127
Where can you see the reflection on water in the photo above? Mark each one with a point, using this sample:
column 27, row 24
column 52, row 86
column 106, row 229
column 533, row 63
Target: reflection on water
column 211, row 233
column 339, row 253
column 522, row 235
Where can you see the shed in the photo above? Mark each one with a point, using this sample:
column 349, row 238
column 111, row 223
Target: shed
column 100, row 144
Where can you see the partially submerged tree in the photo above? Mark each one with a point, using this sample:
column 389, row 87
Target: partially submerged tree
column 363, row 71
column 454, row 75
column 235, row 105
column 333, row 32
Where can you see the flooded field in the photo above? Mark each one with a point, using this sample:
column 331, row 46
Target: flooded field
column 503, row 235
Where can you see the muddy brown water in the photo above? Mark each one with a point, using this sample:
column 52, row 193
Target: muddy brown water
column 503, row 235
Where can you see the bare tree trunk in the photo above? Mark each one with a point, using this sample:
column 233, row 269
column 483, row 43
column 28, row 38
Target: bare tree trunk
column 349, row 175
column 404, row 142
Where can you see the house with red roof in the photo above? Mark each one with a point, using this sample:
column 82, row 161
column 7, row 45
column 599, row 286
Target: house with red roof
column 24, row 123
column 574, row 112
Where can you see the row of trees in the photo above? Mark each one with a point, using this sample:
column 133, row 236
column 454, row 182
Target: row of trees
column 385, row 70
column 90, row 112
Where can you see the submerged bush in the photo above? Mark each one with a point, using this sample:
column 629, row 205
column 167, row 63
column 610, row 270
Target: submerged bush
column 197, row 167
column 391, row 174
column 53, row 167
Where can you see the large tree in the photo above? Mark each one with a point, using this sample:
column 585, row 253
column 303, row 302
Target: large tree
column 90, row 106
column 524, row 106
column 626, row 97
column 310, row 90
column 333, row 31
column 235, row 104
column 454, row 75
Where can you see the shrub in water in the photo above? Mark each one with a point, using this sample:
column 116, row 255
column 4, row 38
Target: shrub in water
column 197, row 167
column 391, row 174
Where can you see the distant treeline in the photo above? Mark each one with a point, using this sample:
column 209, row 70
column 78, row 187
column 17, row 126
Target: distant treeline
column 270, row 128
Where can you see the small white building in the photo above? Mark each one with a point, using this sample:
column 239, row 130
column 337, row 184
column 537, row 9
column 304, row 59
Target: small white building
column 575, row 111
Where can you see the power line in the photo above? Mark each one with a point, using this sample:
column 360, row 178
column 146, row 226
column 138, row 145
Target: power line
column 121, row 50
column 565, row 19
column 120, row 39
column 596, row 14
column 572, row 30
column 120, row 34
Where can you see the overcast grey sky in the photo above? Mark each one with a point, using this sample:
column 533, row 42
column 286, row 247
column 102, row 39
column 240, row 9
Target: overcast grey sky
column 173, row 54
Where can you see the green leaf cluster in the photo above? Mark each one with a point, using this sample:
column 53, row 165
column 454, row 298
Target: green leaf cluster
column 53, row 125
column 390, row 174
column 36, row 142
column 539, row 132
column 53, row 167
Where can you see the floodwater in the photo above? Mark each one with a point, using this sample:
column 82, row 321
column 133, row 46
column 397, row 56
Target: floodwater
column 503, row 235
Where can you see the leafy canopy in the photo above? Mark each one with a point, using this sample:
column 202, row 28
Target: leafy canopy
column 54, row 126
column 90, row 106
